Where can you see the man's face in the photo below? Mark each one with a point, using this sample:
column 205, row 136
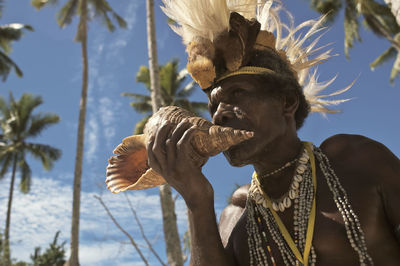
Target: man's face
column 243, row 102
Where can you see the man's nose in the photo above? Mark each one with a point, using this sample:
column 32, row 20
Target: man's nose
column 223, row 114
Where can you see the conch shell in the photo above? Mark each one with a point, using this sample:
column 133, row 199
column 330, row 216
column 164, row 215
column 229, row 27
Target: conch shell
column 129, row 170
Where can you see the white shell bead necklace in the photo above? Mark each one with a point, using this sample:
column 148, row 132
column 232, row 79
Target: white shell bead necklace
column 285, row 201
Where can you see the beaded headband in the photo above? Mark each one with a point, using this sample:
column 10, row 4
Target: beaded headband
column 221, row 36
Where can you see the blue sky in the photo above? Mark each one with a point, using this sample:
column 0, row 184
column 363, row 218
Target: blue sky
column 51, row 63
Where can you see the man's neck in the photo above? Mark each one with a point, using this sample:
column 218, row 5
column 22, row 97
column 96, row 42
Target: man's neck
column 275, row 158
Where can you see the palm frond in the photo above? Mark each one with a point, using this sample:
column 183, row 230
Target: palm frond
column 350, row 26
column 143, row 76
column 385, row 56
column 379, row 18
column 330, row 8
column 38, row 4
column 102, row 10
column 5, row 162
column 46, row 153
column 4, row 108
column 65, row 15
column 121, row 22
column 6, row 64
column 39, row 122
column 395, row 68
column 26, row 173
column 139, row 127
column 142, row 107
column 136, row 96
column 10, row 33
column 25, row 106
column 169, row 77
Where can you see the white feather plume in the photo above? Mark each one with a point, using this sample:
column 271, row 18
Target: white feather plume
column 302, row 57
column 195, row 18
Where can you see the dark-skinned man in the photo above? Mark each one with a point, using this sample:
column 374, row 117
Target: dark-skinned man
column 332, row 205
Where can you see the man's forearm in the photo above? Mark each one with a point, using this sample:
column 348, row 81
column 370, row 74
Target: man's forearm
column 206, row 245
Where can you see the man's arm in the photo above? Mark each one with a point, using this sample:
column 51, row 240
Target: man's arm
column 169, row 153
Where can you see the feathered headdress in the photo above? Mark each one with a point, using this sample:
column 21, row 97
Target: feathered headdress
column 222, row 35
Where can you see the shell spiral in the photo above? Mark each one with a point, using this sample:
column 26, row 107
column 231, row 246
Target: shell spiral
column 129, row 170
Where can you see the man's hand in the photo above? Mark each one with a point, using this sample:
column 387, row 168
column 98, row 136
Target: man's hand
column 171, row 155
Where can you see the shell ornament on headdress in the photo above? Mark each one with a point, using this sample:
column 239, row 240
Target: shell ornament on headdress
column 221, row 35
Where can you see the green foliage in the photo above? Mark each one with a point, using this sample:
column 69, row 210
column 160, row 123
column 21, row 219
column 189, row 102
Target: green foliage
column 54, row 254
column 385, row 56
column 351, row 29
column 8, row 34
column 378, row 18
column 173, row 92
column 328, row 7
column 99, row 9
column 17, row 125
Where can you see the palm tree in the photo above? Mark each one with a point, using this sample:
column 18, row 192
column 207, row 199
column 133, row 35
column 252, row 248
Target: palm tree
column 85, row 10
column 377, row 17
column 18, row 124
column 171, row 236
column 173, row 92
column 8, row 34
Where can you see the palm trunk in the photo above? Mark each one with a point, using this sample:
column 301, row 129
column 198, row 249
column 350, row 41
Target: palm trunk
column 6, row 247
column 82, row 37
column 153, row 61
column 171, row 235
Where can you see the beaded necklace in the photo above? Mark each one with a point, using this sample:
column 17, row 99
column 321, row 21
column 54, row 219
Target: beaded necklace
column 261, row 216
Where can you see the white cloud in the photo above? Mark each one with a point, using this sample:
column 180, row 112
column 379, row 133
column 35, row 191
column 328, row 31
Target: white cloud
column 92, row 133
column 37, row 216
column 107, row 109
column 103, row 56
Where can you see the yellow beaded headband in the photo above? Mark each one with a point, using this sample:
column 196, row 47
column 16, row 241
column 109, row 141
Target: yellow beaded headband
column 246, row 70
column 222, row 35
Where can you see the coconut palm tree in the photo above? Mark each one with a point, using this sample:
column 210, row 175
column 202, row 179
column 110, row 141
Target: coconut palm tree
column 18, row 124
column 86, row 10
column 8, row 34
column 171, row 236
column 173, row 92
column 378, row 17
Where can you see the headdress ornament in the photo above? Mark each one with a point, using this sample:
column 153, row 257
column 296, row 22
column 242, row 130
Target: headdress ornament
column 222, row 35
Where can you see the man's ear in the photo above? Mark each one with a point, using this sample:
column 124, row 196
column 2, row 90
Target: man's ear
column 290, row 104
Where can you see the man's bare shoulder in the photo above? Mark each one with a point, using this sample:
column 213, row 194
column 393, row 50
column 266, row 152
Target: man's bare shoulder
column 232, row 213
column 358, row 150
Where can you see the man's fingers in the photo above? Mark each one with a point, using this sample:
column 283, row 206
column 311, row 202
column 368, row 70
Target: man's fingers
column 180, row 130
column 160, row 138
column 151, row 158
column 185, row 139
column 175, row 137
column 158, row 148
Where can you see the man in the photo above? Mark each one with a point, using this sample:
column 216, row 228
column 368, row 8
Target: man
column 332, row 205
